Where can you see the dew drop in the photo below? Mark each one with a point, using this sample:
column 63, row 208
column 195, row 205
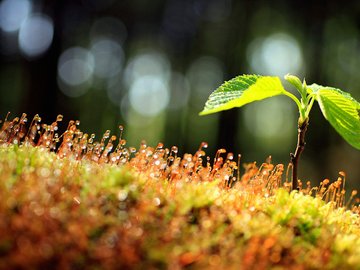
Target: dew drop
column 203, row 145
column 157, row 201
column 174, row 149
column 121, row 128
column 59, row 118
column 230, row 156
column 106, row 134
column 122, row 195
column 143, row 144
column 77, row 200
column 160, row 146
column 7, row 116
column 92, row 137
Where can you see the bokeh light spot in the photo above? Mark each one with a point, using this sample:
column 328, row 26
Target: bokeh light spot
column 147, row 63
column 36, row 35
column 270, row 119
column 108, row 56
column 115, row 89
column 277, row 54
column 149, row 95
column 13, row 13
column 75, row 68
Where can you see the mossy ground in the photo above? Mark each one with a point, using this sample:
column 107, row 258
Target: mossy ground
column 69, row 202
column 63, row 213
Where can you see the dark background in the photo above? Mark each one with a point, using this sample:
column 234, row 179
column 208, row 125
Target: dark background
column 150, row 66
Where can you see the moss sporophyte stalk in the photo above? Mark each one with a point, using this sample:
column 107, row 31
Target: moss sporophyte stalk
column 69, row 201
column 337, row 106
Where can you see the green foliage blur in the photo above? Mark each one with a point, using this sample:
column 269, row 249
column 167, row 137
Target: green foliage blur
column 150, row 66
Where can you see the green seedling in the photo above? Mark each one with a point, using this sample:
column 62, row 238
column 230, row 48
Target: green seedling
column 338, row 107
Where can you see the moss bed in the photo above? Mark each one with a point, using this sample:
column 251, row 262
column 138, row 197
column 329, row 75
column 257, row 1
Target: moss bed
column 68, row 203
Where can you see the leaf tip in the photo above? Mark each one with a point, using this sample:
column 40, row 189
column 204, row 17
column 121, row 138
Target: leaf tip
column 295, row 81
column 204, row 112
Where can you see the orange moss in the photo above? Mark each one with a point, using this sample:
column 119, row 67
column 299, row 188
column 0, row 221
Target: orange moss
column 178, row 212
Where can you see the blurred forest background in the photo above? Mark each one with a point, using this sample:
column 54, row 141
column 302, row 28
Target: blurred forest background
column 151, row 65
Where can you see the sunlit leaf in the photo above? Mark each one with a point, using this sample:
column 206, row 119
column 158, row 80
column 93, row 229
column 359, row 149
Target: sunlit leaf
column 294, row 81
column 341, row 110
column 242, row 90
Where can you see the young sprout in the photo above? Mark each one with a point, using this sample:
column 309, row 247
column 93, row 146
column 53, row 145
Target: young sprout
column 338, row 107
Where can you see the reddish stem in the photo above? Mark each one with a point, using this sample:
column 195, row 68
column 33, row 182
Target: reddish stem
column 299, row 149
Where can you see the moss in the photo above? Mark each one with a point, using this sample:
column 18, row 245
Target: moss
column 151, row 209
column 137, row 221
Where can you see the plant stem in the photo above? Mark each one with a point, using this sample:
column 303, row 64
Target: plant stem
column 302, row 127
column 294, row 98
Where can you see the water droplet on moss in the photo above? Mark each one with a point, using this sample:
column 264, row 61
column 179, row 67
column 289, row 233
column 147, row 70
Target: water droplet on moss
column 122, row 195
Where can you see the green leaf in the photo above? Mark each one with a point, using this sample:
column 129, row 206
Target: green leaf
column 341, row 110
column 315, row 87
column 242, row 90
column 294, row 81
